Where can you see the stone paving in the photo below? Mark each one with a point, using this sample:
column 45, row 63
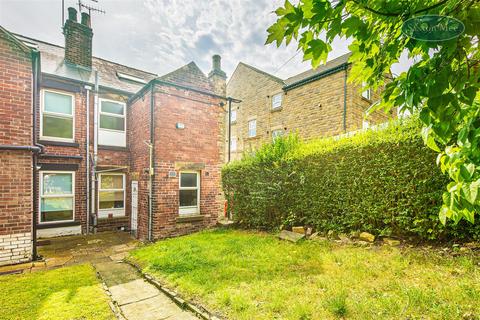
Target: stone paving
column 136, row 298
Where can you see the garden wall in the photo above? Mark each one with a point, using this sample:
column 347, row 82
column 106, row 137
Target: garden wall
column 382, row 181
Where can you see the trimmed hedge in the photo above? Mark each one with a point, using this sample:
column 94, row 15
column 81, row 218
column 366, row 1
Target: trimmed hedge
column 381, row 181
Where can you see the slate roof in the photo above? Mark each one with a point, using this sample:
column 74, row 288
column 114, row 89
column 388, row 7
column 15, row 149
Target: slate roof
column 320, row 69
column 189, row 76
column 309, row 74
column 52, row 62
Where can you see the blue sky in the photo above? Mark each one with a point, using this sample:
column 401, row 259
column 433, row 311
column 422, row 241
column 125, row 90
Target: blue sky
column 161, row 35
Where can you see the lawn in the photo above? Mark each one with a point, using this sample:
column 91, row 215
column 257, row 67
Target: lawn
column 66, row 293
column 248, row 275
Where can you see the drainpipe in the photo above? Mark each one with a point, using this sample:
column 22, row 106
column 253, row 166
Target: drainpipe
column 229, row 127
column 151, row 172
column 345, row 100
column 95, row 150
column 35, row 211
column 87, row 158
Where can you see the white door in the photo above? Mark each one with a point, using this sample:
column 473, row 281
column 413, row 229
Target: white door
column 134, row 207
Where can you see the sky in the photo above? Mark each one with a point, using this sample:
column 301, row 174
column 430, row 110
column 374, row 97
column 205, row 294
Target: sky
column 162, row 35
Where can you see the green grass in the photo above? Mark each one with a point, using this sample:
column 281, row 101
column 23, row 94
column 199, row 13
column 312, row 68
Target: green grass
column 247, row 275
column 66, row 293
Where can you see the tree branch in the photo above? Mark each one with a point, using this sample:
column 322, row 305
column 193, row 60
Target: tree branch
column 393, row 14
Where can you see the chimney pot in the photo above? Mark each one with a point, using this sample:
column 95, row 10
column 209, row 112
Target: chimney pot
column 86, row 19
column 72, row 14
column 217, row 62
column 217, row 76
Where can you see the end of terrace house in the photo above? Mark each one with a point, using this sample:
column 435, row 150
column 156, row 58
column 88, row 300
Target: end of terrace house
column 90, row 145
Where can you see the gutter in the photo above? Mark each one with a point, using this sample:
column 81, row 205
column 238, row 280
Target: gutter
column 34, row 149
column 171, row 84
column 343, row 66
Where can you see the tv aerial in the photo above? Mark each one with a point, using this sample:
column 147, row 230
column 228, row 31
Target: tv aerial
column 82, row 5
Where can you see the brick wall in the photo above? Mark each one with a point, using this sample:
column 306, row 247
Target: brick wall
column 139, row 132
column 62, row 154
column 15, row 166
column 313, row 110
column 200, row 143
column 78, row 43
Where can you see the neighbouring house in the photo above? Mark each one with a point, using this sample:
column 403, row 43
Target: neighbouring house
column 89, row 145
column 316, row 103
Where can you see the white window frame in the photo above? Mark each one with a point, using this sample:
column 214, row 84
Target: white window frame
column 124, row 116
column 233, row 118
column 116, row 212
column 367, row 93
column 250, row 135
column 58, row 115
column 233, row 144
column 41, row 196
column 274, row 103
column 190, row 209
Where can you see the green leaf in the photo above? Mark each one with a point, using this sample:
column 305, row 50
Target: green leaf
column 429, row 140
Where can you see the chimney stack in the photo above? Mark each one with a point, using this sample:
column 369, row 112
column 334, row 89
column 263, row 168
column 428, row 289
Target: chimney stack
column 217, row 76
column 78, row 39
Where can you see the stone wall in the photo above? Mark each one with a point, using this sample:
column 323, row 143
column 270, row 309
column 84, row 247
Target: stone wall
column 313, row 110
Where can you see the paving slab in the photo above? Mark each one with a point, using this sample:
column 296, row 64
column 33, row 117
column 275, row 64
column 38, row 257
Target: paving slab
column 114, row 273
column 133, row 291
column 156, row 308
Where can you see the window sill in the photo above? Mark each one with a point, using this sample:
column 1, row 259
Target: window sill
column 112, row 148
column 59, row 143
column 253, row 138
column 117, row 218
column 189, row 218
column 57, row 224
column 276, row 109
column 367, row 100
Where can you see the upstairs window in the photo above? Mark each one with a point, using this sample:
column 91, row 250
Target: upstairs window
column 112, row 123
column 189, row 193
column 233, row 116
column 111, row 195
column 252, row 128
column 57, row 120
column 277, row 101
column 367, row 92
column 56, row 196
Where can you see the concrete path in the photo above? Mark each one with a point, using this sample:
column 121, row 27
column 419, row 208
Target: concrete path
column 136, row 298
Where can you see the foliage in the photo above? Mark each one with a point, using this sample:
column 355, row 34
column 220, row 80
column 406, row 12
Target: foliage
column 382, row 181
column 251, row 275
column 443, row 82
column 66, row 293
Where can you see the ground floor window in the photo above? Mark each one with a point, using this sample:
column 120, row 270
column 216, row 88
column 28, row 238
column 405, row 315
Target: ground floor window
column 111, row 194
column 57, row 199
column 189, row 193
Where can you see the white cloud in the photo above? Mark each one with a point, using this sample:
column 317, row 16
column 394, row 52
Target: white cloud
column 160, row 35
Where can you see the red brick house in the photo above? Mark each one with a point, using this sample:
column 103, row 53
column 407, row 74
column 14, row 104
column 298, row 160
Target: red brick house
column 89, row 145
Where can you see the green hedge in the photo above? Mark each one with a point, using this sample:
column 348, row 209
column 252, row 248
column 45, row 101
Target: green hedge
column 381, row 181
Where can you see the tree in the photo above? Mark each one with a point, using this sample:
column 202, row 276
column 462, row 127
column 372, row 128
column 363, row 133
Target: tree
column 442, row 85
